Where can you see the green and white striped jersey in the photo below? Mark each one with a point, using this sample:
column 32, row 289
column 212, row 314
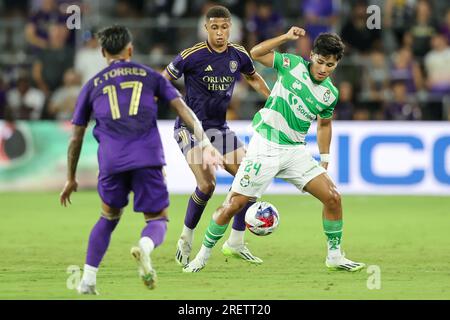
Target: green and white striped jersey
column 295, row 101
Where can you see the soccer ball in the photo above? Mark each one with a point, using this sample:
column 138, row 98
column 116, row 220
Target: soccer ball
column 262, row 218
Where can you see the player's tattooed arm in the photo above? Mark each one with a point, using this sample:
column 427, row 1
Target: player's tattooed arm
column 257, row 82
column 263, row 52
column 324, row 137
column 73, row 154
column 74, row 150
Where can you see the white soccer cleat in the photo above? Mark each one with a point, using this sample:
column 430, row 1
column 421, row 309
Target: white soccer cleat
column 145, row 269
column 240, row 252
column 84, row 288
column 194, row 266
column 183, row 252
column 342, row 263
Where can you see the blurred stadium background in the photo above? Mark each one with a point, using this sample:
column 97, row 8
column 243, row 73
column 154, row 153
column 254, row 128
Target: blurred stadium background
column 400, row 72
column 392, row 136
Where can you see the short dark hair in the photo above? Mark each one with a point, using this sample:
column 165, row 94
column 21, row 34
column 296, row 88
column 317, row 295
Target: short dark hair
column 114, row 39
column 218, row 12
column 327, row 44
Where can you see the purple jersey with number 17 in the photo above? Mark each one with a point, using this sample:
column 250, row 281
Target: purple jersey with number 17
column 121, row 99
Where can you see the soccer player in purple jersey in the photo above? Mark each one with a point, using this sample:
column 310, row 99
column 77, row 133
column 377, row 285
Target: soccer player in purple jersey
column 121, row 98
column 211, row 69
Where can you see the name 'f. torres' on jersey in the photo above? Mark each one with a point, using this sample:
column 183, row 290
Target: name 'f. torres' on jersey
column 295, row 101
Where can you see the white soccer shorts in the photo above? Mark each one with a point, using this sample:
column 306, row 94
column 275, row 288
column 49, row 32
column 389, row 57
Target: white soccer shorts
column 265, row 160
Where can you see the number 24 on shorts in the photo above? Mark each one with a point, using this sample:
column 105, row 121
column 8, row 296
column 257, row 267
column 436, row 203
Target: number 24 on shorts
column 249, row 165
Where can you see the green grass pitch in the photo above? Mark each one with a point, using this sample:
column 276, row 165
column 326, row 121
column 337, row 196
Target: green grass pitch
column 407, row 237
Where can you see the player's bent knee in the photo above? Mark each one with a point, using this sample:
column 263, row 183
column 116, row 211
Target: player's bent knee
column 232, row 205
column 333, row 202
column 238, row 202
column 163, row 214
column 207, row 187
column 229, row 213
column 112, row 215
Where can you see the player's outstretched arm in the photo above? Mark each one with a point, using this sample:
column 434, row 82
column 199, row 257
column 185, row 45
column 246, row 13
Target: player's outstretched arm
column 211, row 157
column 263, row 52
column 73, row 155
column 324, row 140
column 257, row 82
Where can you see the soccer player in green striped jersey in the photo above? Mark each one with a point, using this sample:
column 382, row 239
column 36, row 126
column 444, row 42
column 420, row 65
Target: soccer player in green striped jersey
column 303, row 92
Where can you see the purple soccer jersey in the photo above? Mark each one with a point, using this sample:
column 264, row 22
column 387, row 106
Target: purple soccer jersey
column 209, row 79
column 121, row 99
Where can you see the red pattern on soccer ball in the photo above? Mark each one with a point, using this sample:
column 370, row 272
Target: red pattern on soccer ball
column 263, row 221
column 268, row 222
column 266, row 216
